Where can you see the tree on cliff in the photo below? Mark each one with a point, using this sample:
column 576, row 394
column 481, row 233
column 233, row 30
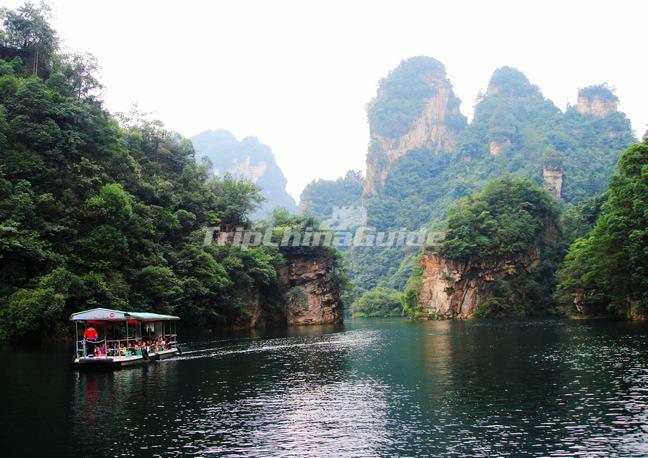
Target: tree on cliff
column 500, row 221
column 607, row 270
column 506, row 237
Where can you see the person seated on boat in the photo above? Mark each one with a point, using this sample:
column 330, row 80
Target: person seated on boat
column 131, row 349
column 122, row 349
column 161, row 343
column 103, row 351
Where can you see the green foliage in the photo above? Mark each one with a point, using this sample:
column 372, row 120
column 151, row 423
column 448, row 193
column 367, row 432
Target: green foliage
column 500, row 221
column 234, row 201
column 28, row 33
column 413, row 287
column 422, row 186
column 599, row 90
column 297, row 295
column 498, row 227
column 579, row 219
column 605, row 271
column 379, row 302
column 96, row 212
column 510, row 82
column 319, row 197
column 112, row 204
column 402, row 95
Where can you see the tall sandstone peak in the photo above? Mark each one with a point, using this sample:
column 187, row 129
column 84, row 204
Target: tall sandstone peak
column 510, row 82
column 415, row 107
column 598, row 101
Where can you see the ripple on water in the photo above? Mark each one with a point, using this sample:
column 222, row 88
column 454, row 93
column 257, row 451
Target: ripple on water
column 390, row 387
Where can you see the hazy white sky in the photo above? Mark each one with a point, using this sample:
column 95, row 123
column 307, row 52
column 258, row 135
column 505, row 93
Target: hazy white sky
column 298, row 74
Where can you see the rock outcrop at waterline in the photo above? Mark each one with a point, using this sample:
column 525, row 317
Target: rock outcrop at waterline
column 306, row 295
column 502, row 282
column 456, row 289
column 310, row 294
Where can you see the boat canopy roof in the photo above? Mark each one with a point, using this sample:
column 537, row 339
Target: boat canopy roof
column 102, row 314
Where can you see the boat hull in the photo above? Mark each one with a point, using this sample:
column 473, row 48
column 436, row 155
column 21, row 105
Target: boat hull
column 119, row 362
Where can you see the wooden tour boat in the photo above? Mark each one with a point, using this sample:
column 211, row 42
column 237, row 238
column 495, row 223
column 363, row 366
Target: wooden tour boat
column 113, row 339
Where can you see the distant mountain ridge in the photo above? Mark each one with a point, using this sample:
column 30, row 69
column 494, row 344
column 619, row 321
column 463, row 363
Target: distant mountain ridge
column 247, row 159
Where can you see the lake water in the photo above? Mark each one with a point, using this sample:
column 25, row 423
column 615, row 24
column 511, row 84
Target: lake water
column 370, row 387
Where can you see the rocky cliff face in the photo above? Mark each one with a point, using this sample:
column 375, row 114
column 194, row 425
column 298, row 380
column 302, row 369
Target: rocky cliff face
column 553, row 180
column 306, row 295
column 454, row 289
column 497, row 147
column 435, row 127
column 597, row 101
column 310, row 294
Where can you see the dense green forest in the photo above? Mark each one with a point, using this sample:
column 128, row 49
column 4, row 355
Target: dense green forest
column 98, row 210
column 379, row 302
column 496, row 226
column 319, row 197
column 529, row 132
column 605, row 271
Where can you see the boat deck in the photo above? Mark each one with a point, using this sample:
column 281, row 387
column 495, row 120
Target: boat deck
column 116, row 362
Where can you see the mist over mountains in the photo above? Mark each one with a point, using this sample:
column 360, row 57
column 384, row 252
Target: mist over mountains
column 248, row 159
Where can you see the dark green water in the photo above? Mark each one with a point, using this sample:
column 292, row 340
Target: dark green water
column 372, row 387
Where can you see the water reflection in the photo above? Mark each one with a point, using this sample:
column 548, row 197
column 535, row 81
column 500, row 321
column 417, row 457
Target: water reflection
column 374, row 387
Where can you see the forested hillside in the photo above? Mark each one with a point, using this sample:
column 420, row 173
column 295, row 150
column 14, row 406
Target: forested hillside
column 436, row 161
column 319, row 197
column 606, row 271
column 96, row 211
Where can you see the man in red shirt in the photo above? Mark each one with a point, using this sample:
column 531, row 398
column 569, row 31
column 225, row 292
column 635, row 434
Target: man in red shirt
column 90, row 335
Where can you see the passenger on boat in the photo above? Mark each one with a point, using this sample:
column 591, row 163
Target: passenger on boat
column 103, row 352
column 122, row 349
column 90, row 336
column 90, row 333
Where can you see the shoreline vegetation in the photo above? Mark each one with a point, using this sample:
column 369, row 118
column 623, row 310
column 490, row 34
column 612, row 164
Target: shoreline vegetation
column 110, row 210
column 103, row 210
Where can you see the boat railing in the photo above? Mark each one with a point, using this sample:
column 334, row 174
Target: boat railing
column 113, row 346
